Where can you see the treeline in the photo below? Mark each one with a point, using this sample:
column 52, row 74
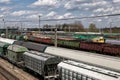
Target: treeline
column 72, row 27
column 76, row 26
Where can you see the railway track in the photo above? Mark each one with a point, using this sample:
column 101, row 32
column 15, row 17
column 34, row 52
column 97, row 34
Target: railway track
column 7, row 75
column 19, row 73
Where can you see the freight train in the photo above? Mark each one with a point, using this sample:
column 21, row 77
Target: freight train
column 98, row 44
column 50, row 66
column 109, row 47
column 42, row 64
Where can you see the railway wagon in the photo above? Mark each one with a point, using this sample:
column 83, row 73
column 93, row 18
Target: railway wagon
column 46, row 40
column 113, row 42
column 3, row 49
column 98, row 47
column 32, row 46
column 71, row 70
column 9, row 41
column 10, row 36
column 14, row 36
column 112, row 47
column 113, row 50
column 15, row 53
column 67, row 42
column 71, row 43
column 43, row 64
column 19, row 37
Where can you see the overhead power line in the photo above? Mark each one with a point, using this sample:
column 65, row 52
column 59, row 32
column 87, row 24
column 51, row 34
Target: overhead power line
column 66, row 18
column 17, row 21
column 80, row 17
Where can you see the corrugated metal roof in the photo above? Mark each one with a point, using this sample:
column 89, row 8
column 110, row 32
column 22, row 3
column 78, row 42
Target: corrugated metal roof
column 10, row 41
column 39, row 55
column 35, row 56
column 31, row 45
column 17, row 48
column 86, row 57
column 19, row 43
column 89, row 71
column 35, row 46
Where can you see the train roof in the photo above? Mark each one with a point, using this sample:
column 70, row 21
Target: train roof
column 89, row 70
column 104, row 61
column 31, row 45
column 17, row 48
column 3, row 44
column 35, row 46
column 19, row 43
column 114, row 42
column 48, row 59
column 10, row 41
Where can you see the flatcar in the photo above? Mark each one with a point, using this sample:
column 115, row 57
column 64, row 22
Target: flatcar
column 43, row 64
column 71, row 70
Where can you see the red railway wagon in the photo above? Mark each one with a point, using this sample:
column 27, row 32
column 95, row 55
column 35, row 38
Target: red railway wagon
column 112, row 49
column 46, row 40
column 114, row 37
column 91, row 46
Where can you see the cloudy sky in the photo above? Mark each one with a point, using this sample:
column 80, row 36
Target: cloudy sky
column 59, row 9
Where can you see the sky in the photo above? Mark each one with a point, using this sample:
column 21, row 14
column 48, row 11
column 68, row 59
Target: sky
column 21, row 10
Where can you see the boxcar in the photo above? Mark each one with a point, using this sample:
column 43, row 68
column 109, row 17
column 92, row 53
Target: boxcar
column 3, row 49
column 15, row 53
column 43, row 64
column 71, row 70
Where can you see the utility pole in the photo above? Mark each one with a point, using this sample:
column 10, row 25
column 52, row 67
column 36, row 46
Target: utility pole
column 39, row 23
column 55, row 37
column 6, row 32
column 21, row 28
column 111, row 27
column 69, row 28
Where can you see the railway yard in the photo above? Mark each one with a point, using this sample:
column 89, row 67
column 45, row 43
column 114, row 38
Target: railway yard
column 35, row 58
column 59, row 39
